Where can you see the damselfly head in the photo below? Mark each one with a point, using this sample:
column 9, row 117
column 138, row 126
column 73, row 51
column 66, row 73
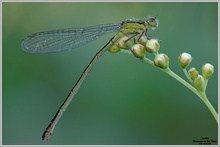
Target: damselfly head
column 153, row 22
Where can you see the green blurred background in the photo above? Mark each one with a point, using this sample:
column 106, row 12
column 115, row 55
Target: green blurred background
column 123, row 100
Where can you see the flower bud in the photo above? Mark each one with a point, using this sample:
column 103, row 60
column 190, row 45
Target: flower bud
column 207, row 70
column 162, row 61
column 122, row 44
column 152, row 45
column 193, row 73
column 184, row 59
column 199, row 83
column 138, row 50
column 142, row 40
column 114, row 49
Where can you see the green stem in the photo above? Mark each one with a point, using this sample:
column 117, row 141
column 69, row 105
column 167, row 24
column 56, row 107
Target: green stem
column 201, row 95
column 175, row 76
column 209, row 105
column 187, row 75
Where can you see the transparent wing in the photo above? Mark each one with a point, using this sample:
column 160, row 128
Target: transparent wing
column 65, row 39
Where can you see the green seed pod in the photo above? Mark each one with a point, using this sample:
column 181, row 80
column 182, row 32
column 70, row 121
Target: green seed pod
column 138, row 50
column 152, row 45
column 193, row 73
column 162, row 61
column 142, row 40
column 122, row 44
column 184, row 59
column 207, row 70
column 114, row 49
column 199, row 83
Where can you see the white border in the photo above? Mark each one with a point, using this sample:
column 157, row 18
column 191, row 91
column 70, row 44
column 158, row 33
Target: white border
column 102, row 1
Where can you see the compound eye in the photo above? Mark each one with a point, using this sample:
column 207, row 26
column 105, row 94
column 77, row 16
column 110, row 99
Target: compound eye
column 153, row 23
column 152, row 20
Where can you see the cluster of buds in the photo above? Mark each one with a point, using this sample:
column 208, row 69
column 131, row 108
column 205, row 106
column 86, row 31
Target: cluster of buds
column 123, row 43
column 150, row 45
column 198, row 80
column 139, row 47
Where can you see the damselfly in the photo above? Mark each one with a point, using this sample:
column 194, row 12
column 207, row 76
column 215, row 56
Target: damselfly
column 66, row 39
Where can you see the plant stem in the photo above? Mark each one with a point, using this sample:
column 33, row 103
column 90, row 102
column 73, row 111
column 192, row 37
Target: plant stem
column 187, row 75
column 175, row 76
column 209, row 105
column 200, row 94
